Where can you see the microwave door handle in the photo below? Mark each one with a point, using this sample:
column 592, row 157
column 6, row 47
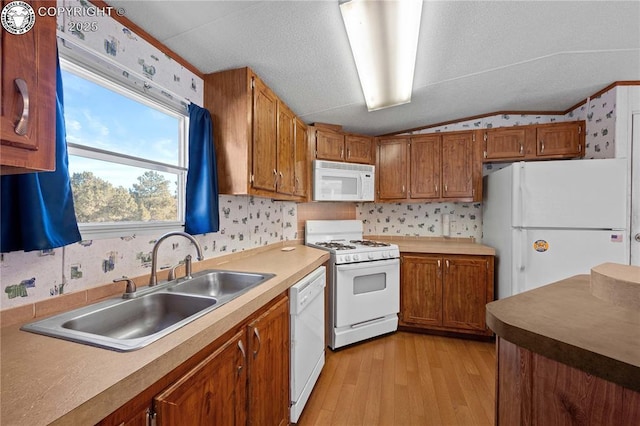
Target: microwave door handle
column 361, row 179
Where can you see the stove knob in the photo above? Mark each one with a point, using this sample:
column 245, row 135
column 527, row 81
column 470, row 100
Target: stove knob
column 384, row 254
column 370, row 256
column 356, row 257
column 347, row 258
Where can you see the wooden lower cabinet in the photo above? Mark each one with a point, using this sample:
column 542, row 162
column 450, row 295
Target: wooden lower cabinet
column 269, row 367
column 241, row 379
column 445, row 292
column 535, row 390
column 212, row 393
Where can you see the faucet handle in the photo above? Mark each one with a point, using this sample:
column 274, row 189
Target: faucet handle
column 172, row 272
column 131, row 286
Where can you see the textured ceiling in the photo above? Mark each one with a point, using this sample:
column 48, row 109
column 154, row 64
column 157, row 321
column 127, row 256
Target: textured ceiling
column 473, row 57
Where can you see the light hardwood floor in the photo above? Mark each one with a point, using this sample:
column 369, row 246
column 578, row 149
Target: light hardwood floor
column 406, row 379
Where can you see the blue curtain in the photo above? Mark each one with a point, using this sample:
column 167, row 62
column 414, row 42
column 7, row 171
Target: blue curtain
column 37, row 208
column 201, row 214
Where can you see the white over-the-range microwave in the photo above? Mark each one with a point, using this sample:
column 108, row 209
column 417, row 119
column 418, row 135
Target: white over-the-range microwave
column 338, row 181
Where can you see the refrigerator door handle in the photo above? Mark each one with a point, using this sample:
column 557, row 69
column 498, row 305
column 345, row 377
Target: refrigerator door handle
column 523, row 249
column 519, row 260
column 518, row 194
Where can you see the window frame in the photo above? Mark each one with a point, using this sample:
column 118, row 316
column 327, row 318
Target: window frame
column 98, row 230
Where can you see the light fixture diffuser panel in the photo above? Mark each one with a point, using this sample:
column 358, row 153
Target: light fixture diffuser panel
column 384, row 41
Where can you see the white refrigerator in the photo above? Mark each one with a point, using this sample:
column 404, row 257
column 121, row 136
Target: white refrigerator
column 549, row 220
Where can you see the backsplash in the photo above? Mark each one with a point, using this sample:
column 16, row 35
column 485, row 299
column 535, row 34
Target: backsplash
column 421, row 219
column 245, row 222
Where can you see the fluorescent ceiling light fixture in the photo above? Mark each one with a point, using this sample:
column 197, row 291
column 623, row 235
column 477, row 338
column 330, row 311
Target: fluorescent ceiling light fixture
column 384, row 40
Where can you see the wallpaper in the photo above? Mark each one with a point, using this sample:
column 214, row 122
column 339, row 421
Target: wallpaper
column 116, row 47
column 421, row 219
column 245, row 222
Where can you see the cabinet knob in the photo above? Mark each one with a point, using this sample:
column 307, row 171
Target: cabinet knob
column 541, row 146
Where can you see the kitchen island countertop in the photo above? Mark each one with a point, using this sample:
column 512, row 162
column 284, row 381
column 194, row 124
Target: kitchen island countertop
column 565, row 322
column 47, row 380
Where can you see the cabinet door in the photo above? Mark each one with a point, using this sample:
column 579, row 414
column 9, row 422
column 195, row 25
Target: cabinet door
column 464, row 292
column 28, row 110
column 301, row 168
column 391, row 168
column 457, row 165
column 265, row 109
column 504, row 143
column 359, row 149
column 213, row 393
column 329, row 145
column 425, row 158
column 421, row 290
column 268, row 338
column 286, row 150
column 559, row 140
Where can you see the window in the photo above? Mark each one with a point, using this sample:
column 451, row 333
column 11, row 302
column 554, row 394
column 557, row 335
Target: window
column 127, row 157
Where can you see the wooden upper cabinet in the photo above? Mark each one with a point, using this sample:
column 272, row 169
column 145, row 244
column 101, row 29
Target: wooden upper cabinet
column 28, row 108
column 441, row 166
column 265, row 107
column 359, row 149
column 213, row 393
column 391, row 168
column 505, row 143
column 560, row 140
column 286, row 150
column 425, row 161
column 458, row 165
column 334, row 145
column 535, row 142
column 329, row 145
column 254, row 136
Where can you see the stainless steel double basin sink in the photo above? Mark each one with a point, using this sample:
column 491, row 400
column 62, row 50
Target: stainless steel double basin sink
column 132, row 323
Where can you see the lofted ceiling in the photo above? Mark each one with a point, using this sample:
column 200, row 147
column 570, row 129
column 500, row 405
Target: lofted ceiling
column 474, row 57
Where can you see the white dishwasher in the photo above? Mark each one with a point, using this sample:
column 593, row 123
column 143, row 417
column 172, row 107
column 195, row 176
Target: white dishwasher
column 307, row 337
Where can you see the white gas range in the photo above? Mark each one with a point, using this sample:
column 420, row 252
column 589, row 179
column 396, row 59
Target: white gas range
column 364, row 281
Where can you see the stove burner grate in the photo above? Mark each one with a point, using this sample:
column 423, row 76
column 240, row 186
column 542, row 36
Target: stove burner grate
column 370, row 243
column 335, row 245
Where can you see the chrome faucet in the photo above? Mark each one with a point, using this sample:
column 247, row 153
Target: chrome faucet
column 153, row 279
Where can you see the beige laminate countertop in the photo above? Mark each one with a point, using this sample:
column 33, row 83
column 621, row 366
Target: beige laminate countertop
column 437, row 245
column 563, row 321
column 47, row 380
